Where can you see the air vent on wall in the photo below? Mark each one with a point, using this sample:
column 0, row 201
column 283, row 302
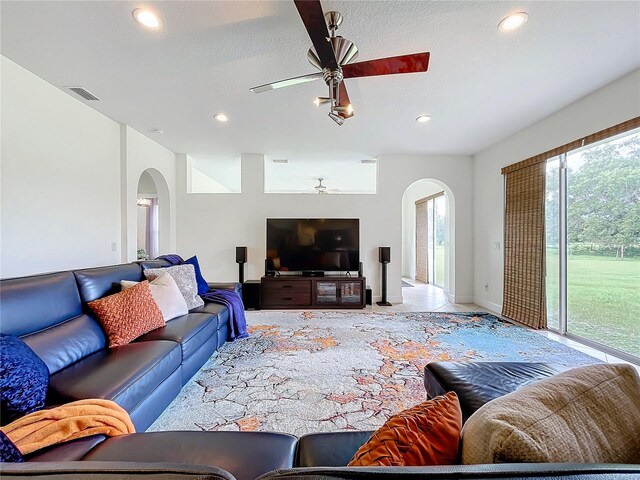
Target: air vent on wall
column 82, row 93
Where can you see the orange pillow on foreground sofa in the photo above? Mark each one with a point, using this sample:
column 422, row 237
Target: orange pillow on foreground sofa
column 427, row 434
column 127, row 315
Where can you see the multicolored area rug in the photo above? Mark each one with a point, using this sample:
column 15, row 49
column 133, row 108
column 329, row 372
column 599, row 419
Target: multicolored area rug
column 302, row 372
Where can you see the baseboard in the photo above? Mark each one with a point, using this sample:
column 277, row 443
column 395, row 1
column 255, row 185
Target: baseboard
column 492, row 307
column 460, row 299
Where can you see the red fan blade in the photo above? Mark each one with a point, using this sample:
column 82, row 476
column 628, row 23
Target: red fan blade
column 345, row 102
column 313, row 18
column 418, row 62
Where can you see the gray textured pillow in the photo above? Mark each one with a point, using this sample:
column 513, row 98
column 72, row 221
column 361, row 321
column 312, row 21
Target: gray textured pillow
column 185, row 277
column 585, row 415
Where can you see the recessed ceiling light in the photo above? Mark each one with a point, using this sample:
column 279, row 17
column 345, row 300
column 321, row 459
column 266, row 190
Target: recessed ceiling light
column 221, row 117
column 512, row 22
column 147, row 18
column 423, row 118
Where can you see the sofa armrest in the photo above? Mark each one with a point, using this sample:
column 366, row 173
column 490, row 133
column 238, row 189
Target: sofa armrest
column 333, row 449
column 226, row 286
column 111, row 471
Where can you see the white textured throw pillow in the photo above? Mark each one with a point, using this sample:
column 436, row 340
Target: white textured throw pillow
column 588, row 414
column 166, row 294
column 185, row 277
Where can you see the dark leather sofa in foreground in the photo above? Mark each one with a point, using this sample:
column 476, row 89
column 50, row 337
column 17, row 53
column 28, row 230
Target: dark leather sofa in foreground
column 49, row 313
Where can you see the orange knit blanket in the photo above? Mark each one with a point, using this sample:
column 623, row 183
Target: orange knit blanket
column 68, row 422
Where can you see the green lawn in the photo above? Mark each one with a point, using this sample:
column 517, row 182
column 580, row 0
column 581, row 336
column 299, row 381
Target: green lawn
column 603, row 299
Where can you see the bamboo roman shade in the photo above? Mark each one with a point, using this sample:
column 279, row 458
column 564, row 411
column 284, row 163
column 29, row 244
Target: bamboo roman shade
column 524, row 298
column 589, row 139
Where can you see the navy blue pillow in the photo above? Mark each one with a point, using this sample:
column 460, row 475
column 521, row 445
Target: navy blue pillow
column 203, row 287
column 24, row 379
column 8, row 451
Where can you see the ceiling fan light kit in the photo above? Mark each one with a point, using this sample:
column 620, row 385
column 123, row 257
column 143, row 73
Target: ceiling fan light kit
column 333, row 55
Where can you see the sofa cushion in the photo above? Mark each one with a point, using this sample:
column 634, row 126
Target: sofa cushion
column 427, row 434
column 98, row 282
column 185, row 278
column 191, row 331
column 24, row 379
column 67, row 342
column 588, row 414
column 246, row 455
column 166, row 294
column 125, row 374
column 128, row 314
column 477, row 383
column 329, row 449
column 220, row 311
column 32, row 304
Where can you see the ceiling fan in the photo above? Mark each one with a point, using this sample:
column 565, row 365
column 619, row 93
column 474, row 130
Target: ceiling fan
column 333, row 54
column 321, row 189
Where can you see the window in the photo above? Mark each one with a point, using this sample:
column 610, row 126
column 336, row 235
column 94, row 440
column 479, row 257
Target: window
column 317, row 175
column 592, row 213
column 219, row 174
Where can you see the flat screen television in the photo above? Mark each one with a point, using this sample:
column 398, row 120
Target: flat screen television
column 313, row 244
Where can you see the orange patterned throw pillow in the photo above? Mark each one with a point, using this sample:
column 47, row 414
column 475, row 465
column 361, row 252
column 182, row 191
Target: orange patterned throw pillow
column 127, row 315
column 427, row 434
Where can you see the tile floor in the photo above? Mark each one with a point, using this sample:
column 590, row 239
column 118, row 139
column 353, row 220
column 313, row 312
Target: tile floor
column 428, row 298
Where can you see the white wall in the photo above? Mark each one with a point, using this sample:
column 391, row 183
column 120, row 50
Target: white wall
column 60, row 179
column 417, row 191
column 146, row 186
column 212, row 225
column 69, row 180
column 612, row 104
column 141, row 154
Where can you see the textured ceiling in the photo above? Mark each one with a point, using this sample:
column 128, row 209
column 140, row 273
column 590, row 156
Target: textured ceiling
column 482, row 85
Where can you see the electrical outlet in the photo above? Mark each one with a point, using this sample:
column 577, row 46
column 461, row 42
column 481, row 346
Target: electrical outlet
column 114, row 246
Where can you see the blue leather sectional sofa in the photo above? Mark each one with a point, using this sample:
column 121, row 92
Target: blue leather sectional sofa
column 49, row 312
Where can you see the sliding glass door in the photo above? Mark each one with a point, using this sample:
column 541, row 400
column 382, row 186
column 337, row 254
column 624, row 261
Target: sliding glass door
column 436, row 211
column 593, row 243
column 434, row 229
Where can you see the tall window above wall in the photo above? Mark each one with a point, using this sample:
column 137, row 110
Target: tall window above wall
column 320, row 175
column 217, row 174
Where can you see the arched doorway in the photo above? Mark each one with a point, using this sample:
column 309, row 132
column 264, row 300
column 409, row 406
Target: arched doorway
column 428, row 236
column 153, row 215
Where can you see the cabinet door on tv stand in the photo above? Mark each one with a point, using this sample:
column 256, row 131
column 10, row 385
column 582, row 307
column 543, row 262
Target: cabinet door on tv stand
column 326, row 293
column 350, row 293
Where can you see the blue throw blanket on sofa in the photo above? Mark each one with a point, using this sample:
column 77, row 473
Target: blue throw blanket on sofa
column 231, row 299
column 228, row 298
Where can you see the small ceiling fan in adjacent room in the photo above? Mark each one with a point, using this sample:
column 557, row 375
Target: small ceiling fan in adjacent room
column 333, row 54
column 322, row 189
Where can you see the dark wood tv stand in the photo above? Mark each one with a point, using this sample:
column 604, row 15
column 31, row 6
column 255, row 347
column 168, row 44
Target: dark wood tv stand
column 293, row 291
